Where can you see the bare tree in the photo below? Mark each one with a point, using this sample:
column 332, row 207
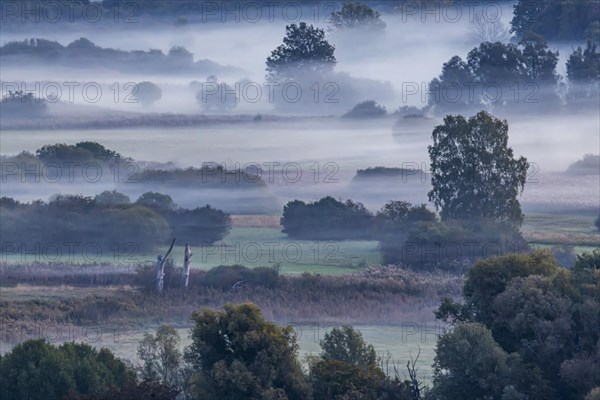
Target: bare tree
column 485, row 30
column 187, row 260
column 160, row 268
column 411, row 366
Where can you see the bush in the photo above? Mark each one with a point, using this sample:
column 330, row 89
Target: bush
column 147, row 93
column 366, row 109
column 452, row 246
column 226, row 277
column 327, row 219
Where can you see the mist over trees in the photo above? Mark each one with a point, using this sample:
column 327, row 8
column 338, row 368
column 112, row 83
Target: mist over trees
column 83, row 53
column 356, row 15
column 529, row 68
column 18, row 104
column 304, row 51
column 107, row 223
column 366, row 109
column 147, row 93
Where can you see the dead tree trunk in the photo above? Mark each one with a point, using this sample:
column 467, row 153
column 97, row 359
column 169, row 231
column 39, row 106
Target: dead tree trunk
column 160, row 268
column 187, row 260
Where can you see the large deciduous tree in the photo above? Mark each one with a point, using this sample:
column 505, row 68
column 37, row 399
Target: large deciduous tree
column 236, row 354
column 473, row 171
column 304, row 51
column 347, row 345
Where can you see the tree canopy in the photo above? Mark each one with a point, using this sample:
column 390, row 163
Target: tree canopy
column 473, row 171
column 304, row 51
column 356, row 15
column 236, row 354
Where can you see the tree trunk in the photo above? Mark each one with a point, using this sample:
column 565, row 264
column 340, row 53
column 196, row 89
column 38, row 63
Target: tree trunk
column 187, row 260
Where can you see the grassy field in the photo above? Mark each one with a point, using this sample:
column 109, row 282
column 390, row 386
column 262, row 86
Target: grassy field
column 549, row 229
column 252, row 247
column 258, row 241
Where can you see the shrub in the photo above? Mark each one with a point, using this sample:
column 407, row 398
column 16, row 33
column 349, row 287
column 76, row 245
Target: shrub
column 366, row 109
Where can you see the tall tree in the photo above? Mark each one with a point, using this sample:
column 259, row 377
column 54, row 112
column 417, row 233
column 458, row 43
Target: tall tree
column 473, row 171
column 161, row 356
column 347, row 345
column 236, row 354
column 304, row 51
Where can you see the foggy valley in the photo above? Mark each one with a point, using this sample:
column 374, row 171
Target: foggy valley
column 367, row 200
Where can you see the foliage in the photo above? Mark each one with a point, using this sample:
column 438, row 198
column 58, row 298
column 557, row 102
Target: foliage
column 208, row 175
column 201, row 225
column 134, row 391
column 105, row 224
column 304, row 51
column 546, row 315
column 94, row 227
column 337, row 380
column 366, row 109
column 589, row 164
column 450, row 246
column 157, row 201
column 470, row 365
column 583, row 71
column 474, row 173
column 583, row 65
column 112, row 198
column 326, row 219
column 347, row 345
column 161, row 357
column 356, row 15
column 35, row 369
column 19, row 104
column 555, row 19
column 80, row 152
column 236, row 354
column 465, row 84
column 147, row 93
column 84, row 53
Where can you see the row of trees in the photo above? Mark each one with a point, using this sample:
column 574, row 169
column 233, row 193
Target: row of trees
column 84, row 53
column 109, row 222
column 525, row 73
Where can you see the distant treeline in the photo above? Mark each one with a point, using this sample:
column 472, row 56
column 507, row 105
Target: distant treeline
column 107, row 224
column 554, row 19
column 524, row 75
column 389, row 172
column 82, row 53
column 51, row 162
